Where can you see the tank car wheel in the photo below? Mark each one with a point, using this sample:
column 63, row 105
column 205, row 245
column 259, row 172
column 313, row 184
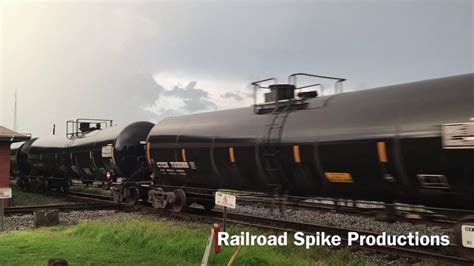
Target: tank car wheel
column 130, row 196
column 116, row 194
column 177, row 201
column 155, row 198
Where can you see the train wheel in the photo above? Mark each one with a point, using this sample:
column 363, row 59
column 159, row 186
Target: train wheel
column 131, row 196
column 177, row 201
column 155, row 197
column 116, row 194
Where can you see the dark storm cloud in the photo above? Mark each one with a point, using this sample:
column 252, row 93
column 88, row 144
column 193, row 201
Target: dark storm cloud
column 235, row 95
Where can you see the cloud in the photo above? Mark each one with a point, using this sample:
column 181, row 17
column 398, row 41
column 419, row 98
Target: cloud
column 194, row 99
column 188, row 92
column 235, row 95
column 180, row 100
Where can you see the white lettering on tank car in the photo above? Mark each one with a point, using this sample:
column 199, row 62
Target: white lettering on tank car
column 176, row 165
column 192, row 165
column 183, row 165
column 162, row 165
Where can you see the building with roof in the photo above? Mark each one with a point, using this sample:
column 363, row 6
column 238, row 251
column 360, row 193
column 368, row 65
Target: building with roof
column 7, row 137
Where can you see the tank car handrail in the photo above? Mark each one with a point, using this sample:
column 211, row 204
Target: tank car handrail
column 338, row 85
column 75, row 124
column 257, row 83
column 94, row 119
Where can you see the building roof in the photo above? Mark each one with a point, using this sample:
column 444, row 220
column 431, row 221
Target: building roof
column 12, row 136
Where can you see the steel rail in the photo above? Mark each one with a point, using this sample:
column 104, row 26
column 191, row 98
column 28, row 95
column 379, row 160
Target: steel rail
column 70, row 206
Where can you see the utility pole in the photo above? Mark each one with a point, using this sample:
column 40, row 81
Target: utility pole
column 14, row 113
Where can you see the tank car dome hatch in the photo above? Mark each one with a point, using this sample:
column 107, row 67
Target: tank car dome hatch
column 281, row 97
column 280, row 92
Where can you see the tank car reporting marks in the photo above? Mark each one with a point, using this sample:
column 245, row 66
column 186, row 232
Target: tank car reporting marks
column 176, row 165
column 339, row 177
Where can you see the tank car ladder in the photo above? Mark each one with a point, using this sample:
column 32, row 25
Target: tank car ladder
column 272, row 142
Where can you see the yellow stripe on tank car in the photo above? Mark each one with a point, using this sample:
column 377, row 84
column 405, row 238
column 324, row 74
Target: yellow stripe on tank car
column 339, row 177
column 231, row 155
column 113, row 156
column 382, row 152
column 183, row 155
column 148, row 158
column 296, row 153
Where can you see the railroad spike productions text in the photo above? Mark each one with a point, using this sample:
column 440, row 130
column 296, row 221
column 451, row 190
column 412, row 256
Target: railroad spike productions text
column 323, row 239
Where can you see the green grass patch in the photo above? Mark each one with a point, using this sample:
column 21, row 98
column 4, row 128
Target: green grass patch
column 146, row 241
column 24, row 198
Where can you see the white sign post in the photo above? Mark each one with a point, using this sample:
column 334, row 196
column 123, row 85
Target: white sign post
column 5, row 193
column 227, row 201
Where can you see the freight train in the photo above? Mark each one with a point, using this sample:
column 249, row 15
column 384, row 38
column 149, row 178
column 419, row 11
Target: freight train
column 411, row 143
column 92, row 150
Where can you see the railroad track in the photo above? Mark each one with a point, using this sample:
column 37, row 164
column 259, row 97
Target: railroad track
column 88, row 196
column 62, row 207
column 398, row 211
column 427, row 216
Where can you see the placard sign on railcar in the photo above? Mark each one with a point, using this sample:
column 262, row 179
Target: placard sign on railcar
column 458, row 135
column 107, row 151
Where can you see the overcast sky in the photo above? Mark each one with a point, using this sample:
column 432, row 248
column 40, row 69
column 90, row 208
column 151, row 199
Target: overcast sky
column 148, row 60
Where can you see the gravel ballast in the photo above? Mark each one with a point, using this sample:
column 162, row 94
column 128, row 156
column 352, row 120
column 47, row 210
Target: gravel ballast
column 26, row 221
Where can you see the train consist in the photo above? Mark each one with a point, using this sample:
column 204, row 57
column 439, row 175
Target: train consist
column 411, row 143
column 93, row 150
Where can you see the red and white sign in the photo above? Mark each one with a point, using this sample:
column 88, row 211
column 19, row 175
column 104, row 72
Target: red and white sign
column 226, row 200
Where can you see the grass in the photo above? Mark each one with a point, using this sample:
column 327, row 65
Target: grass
column 24, row 198
column 148, row 242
